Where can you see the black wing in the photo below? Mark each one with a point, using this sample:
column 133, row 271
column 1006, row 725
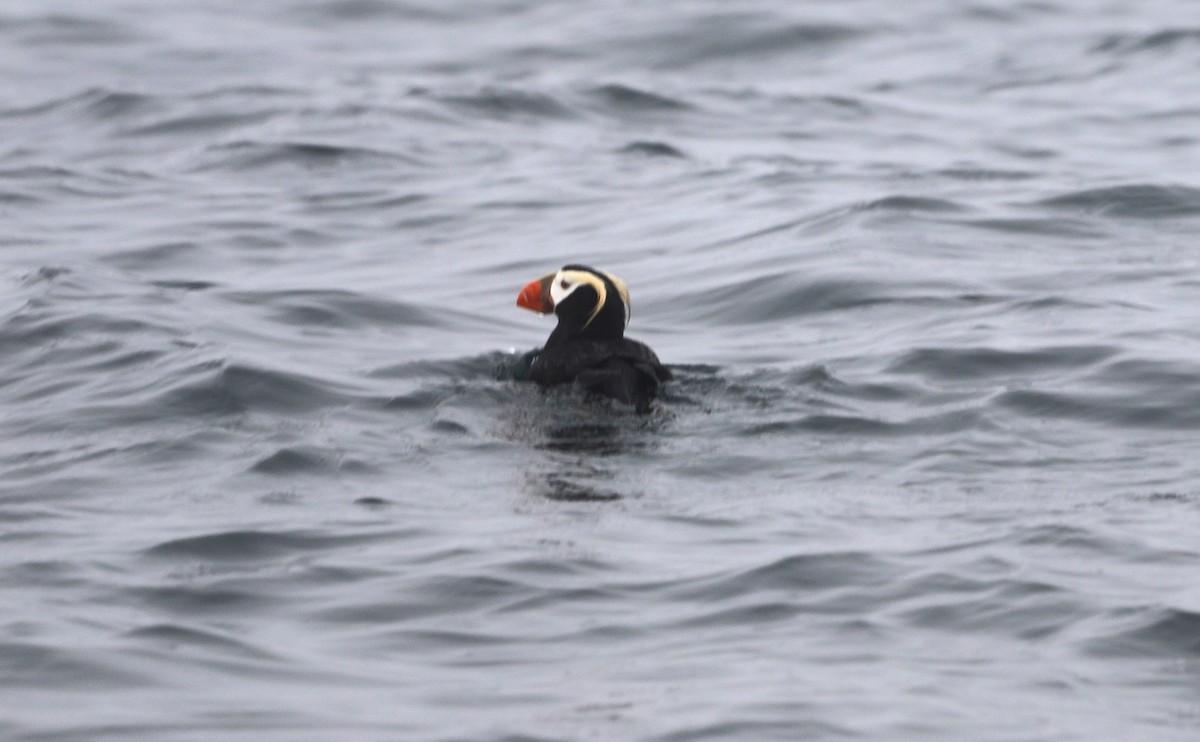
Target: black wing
column 624, row 369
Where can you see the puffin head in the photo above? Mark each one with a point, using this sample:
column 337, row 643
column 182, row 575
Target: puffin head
column 586, row 301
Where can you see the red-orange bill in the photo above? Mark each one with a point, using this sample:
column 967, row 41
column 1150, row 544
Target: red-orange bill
column 536, row 296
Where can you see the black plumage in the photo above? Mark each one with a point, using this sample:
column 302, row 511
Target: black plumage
column 588, row 347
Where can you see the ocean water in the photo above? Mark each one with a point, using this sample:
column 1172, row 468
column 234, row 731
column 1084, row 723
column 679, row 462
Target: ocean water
column 926, row 273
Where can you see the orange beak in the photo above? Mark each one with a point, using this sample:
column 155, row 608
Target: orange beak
column 536, row 295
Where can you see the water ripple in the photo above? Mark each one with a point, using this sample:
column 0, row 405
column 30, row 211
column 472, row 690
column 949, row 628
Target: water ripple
column 1164, row 632
column 1140, row 201
column 250, row 155
column 341, row 309
column 975, row 363
column 1167, row 39
column 712, row 38
column 629, row 99
column 234, row 388
column 254, row 546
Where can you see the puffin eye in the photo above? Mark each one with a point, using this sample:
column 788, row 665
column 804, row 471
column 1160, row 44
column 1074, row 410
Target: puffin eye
column 564, row 283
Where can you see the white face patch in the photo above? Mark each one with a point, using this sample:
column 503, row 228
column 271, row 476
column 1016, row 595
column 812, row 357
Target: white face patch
column 562, row 287
column 567, row 281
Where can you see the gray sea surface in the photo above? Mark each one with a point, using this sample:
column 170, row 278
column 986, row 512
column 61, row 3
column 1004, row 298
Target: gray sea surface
column 927, row 275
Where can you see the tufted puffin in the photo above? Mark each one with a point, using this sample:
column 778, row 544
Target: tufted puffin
column 589, row 346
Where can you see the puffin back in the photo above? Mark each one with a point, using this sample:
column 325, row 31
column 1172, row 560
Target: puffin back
column 622, row 368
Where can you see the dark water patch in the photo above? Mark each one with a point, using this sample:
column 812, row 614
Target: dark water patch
column 1172, row 497
column 14, row 198
column 251, row 546
column 627, row 99
column 719, row 37
column 249, row 156
column 54, row 184
column 1014, row 13
column 1158, row 632
column 466, row 595
column 43, row 339
column 1023, row 609
column 338, row 309
column 1161, row 409
column 426, row 398
column 1094, row 544
column 45, row 485
column 45, row 274
column 986, row 174
column 802, row 728
column 821, row 379
column 508, row 104
column 914, row 203
column 856, row 425
column 456, row 594
column 828, row 424
column 839, row 215
column 158, row 256
column 1050, row 303
column 452, row 427
column 1167, row 39
column 33, row 665
column 798, row 574
column 568, row 421
column 575, row 476
column 729, row 465
column 779, row 297
column 56, row 574
column 705, row 387
column 252, row 91
column 121, row 360
column 235, row 389
column 208, row 124
column 295, row 461
column 1047, row 227
column 373, row 502
column 37, row 172
column 71, row 30
column 177, row 637
column 532, row 204
column 111, row 104
column 1135, row 201
column 256, row 388
column 1149, row 374
column 596, row 438
column 954, row 364
column 757, row 613
column 359, row 201
column 542, row 54
column 652, row 149
column 560, row 488
column 820, row 107
column 552, row 568
column 192, row 600
column 375, row 613
column 370, row 11
column 185, row 285
column 52, row 104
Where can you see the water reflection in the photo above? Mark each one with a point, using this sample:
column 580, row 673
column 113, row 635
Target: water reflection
column 585, row 444
column 569, row 485
column 579, row 467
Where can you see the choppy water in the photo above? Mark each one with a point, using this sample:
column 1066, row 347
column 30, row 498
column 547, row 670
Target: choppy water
column 927, row 274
